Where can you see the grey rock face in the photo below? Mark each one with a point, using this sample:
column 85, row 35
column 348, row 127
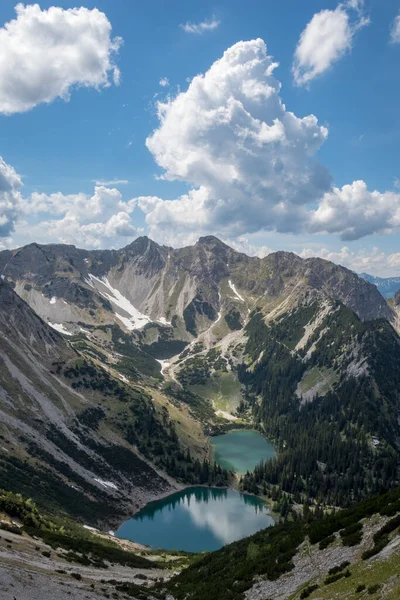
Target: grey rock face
column 166, row 283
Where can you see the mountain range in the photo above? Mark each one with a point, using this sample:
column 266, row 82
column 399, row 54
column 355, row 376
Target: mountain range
column 115, row 365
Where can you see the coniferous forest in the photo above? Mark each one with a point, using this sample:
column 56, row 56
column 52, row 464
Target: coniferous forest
column 337, row 448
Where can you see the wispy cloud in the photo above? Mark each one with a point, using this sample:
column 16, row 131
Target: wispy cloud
column 202, row 27
column 110, row 182
column 395, row 31
column 164, row 81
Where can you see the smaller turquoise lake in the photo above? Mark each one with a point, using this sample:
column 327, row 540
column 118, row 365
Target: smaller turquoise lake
column 241, row 450
column 197, row 519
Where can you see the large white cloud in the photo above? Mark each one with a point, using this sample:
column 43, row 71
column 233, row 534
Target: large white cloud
column 326, row 38
column 45, row 53
column 250, row 163
column 249, row 160
column 354, row 212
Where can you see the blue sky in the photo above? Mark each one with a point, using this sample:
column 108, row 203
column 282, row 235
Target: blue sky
column 58, row 149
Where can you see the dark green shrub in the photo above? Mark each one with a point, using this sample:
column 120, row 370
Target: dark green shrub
column 336, row 577
column 353, row 539
column 338, row 568
column 353, row 528
column 308, row 591
column 326, row 542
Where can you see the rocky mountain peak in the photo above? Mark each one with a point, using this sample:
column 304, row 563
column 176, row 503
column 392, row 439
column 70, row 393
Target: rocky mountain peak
column 210, row 240
column 141, row 245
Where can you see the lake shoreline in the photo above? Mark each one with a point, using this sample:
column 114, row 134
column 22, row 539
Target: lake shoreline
column 177, row 486
column 240, row 450
column 197, row 518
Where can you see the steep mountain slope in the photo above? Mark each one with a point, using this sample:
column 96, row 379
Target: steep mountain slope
column 325, row 384
column 73, row 435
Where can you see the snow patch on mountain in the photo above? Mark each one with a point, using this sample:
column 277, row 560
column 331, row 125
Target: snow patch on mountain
column 134, row 319
column 234, row 290
column 164, row 365
column 60, row 328
column 107, row 484
column 220, row 312
column 164, row 321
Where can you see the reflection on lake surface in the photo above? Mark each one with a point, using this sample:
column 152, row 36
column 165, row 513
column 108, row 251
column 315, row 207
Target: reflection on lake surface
column 197, row 519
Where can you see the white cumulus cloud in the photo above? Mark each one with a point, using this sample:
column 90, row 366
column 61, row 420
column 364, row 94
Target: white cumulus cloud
column 44, row 54
column 354, row 212
column 250, row 163
column 248, row 159
column 202, row 27
column 326, row 38
column 95, row 221
column 102, row 219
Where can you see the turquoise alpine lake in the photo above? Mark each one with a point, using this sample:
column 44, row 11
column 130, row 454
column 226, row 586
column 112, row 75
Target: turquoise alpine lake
column 197, row 519
column 241, row 450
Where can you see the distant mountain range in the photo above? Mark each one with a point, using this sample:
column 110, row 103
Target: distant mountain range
column 388, row 286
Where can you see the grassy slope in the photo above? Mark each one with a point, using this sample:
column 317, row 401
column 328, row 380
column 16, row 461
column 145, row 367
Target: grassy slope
column 223, row 389
column 384, row 573
column 189, row 430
